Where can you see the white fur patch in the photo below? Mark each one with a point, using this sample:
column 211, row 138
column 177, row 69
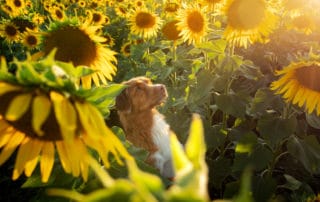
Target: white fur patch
column 161, row 137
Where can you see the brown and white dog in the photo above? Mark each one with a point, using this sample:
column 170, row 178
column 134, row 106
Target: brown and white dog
column 144, row 126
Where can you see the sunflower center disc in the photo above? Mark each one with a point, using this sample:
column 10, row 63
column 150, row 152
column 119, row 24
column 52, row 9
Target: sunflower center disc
column 145, row 20
column 309, row 77
column 73, row 45
column 11, row 31
column 195, row 21
column 246, row 14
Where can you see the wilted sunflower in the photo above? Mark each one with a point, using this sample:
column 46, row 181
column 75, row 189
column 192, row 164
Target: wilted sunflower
column 37, row 122
column 144, row 23
column 193, row 23
column 81, row 46
column 9, row 31
column 170, row 30
column 248, row 21
column 299, row 84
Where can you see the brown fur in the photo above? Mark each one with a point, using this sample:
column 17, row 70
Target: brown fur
column 136, row 107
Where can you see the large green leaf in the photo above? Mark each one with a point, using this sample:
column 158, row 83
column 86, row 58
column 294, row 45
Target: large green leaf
column 307, row 151
column 231, row 104
column 274, row 129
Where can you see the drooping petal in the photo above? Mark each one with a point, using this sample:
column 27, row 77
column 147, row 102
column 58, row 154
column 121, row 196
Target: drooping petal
column 65, row 114
column 47, row 161
column 41, row 108
column 11, row 146
column 18, row 106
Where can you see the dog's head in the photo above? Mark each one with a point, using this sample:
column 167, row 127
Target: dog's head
column 140, row 95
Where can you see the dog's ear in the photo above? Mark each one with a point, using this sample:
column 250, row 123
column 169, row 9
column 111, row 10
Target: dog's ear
column 123, row 102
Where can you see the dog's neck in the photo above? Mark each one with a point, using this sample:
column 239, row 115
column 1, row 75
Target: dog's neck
column 138, row 128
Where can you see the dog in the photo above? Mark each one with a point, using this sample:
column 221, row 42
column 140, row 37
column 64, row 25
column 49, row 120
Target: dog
column 143, row 125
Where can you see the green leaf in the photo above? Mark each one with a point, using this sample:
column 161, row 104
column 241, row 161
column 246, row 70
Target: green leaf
column 231, row 104
column 307, row 151
column 275, row 129
column 149, row 185
column 265, row 99
column 246, row 143
column 313, row 120
column 245, row 194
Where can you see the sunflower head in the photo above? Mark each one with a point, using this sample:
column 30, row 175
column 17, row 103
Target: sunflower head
column 193, row 23
column 171, row 7
column 126, row 48
column 80, row 45
column 170, row 30
column 57, row 13
column 248, row 21
column 44, row 112
column 144, row 23
column 303, row 23
column 298, row 84
column 9, row 31
column 30, row 39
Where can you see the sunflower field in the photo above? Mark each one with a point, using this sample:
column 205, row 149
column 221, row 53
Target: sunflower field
column 243, row 79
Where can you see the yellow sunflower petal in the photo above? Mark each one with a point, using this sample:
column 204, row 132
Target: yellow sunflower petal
column 11, row 146
column 33, row 157
column 21, row 158
column 73, row 155
column 6, row 88
column 97, row 145
column 41, row 108
column 5, row 136
column 47, row 161
column 299, row 95
column 90, row 118
column 311, row 102
column 65, row 114
column 65, row 162
column 18, row 106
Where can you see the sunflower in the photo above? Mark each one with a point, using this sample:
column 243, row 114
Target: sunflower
column 248, row 21
column 80, row 45
column 299, row 84
column 37, row 122
column 38, row 19
column 193, row 23
column 122, row 11
column 126, row 48
column 9, row 31
column 57, row 13
column 98, row 18
column 171, row 7
column 30, row 39
column 170, row 30
column 303, row 23
column 293, row 5
column 210, row 3
column 18, row 6
column 144, row 23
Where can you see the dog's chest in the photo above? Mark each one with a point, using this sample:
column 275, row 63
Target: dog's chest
column 161, row 135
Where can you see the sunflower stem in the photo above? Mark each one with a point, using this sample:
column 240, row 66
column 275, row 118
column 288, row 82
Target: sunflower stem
column 174, row 51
